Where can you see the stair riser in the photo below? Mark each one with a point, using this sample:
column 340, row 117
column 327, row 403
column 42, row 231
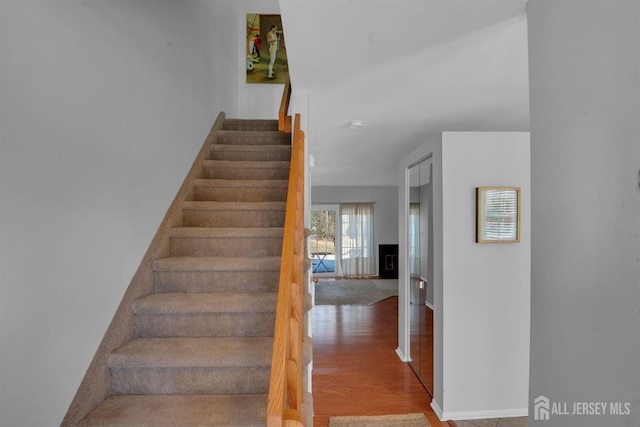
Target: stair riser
column 216, row 281
column 250, row 155
column 250, row 125
column 234, row 246
column 227, row 194
column 253, row 138
column 235, row 218
column 205, row 325
column 180, row 410
column 236, row 380
column 245, row 173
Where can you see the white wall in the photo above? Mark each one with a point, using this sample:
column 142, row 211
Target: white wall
column 104, row 105
column 481, row 291
column 486, row 287
column 585, row 156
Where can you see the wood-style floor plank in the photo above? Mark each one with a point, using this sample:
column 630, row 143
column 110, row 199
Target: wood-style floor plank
column 355, row 368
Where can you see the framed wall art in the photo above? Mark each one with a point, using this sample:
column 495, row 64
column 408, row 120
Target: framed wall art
column 498, row 214
column 265, row 49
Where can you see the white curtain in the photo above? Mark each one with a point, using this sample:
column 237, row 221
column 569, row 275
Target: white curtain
column 357, row 256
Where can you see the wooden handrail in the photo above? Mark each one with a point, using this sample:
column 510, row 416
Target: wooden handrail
column 284, row 119
column 285, row 387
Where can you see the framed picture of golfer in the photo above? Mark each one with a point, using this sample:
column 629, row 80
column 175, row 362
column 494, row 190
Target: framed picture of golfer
column 266, row 51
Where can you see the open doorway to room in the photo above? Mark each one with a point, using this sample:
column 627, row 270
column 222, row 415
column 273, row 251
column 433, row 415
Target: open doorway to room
column 343, row 261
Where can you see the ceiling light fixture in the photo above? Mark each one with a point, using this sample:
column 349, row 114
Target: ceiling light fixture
column 356, row 124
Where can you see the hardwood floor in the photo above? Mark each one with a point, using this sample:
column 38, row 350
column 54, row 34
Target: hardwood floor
column 356, row 370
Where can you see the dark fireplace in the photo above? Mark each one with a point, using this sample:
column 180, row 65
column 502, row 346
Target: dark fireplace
column 388, row 261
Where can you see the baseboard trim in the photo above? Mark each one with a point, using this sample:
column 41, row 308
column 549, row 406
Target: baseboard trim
column 478, row 415
column 437, row 410
column 402, row 356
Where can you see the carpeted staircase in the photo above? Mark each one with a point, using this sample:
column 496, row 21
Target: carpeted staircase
column 203, row 339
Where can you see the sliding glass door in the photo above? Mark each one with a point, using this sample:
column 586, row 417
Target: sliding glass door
column 323, row 240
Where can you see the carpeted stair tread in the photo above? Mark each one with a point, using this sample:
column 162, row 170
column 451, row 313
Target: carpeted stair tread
column 234, row 206
column 233, row 214
column 226, row 241
column 262, row 153
column 263, row 148
column 193, row 353
column 241, row 190
column 245, row 169
column 307, row 407
column 247, row 164
column 225, row 232
column 243, row 410
column 250, row 124
column 242, row 183
column 239, row 264
column 251, row 147
column 229, row 137
column 307, row 350
column 193, row 303
column 224, row 314
column 206, row 281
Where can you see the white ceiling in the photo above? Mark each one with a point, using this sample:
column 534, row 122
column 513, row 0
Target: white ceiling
column 409, row 70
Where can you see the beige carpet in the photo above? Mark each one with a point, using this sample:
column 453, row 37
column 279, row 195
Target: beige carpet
column 407, row 420
column 354, row 292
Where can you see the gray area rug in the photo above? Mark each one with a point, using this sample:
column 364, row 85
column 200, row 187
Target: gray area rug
column 354, row 292
column 408, row 420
